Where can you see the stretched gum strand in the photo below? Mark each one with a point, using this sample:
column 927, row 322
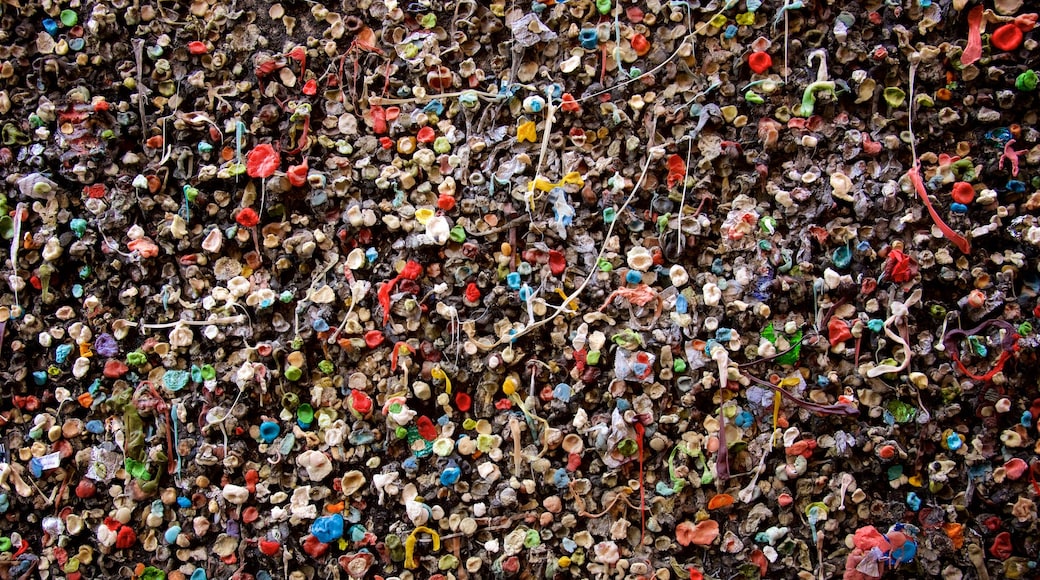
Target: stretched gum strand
column 409, row 545
column 518, row 457
column 958, row 240
column 641, row 431
column 1009, row 345
column 897, row 315
column 973, row 51
column 722, row 458
column 722, row 472
column 837, row 409
column 469, row 327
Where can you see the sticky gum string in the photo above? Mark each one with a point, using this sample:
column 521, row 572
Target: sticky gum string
column 1009, row 344
column 958, row 240
column 409, row 545
column 691, row 38
column 915, row 171
column 641, row 431
column 176, row 441
column 509, row 389
column 897, row 315
column 836, row 409
column 577, row 292
column 514, row 429
column 580, row 503
column 721, row 358
column 722, row 458
column 776, row 414
column 164, row 411
column 358, row 290
column 532, row 418
column 20, row 213
column 747, row 494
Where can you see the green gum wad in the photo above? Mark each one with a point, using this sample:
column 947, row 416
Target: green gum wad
column 208, row 372
column 485, row 442
column 662, row 222
column 895, row 472
column 628, row 339
column 68, row 17
column 809, row 97
column 707, row 477
column 894, row 96
column 902, row 412
column 137, row 469
column 293, row 373
column 395, row 547
column 135, row 462
column 627, row 447
column 12, row 136
column 77, row 225
column 1026, row 81
column 305, row 413
column 964, row 168
column 290, row 401
column 6, row 227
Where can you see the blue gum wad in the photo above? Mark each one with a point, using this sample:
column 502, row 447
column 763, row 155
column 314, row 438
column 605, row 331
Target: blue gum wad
column 328, row 529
